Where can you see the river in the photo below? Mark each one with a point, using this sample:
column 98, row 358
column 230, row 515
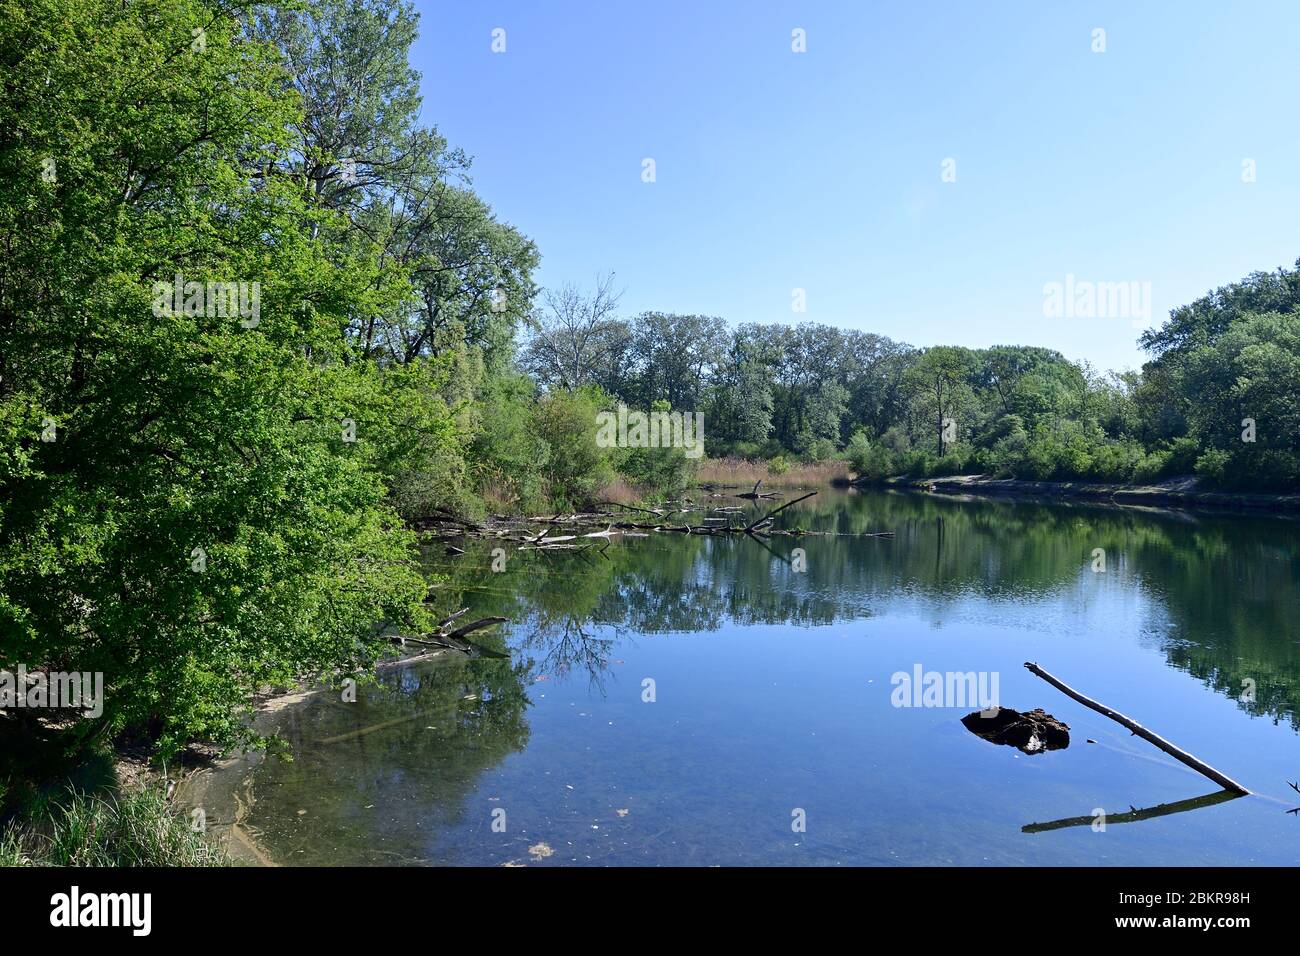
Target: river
column 691, row 700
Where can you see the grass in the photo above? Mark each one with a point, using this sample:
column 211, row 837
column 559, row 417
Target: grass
column 81, row 829
column 620, row 490
column 774, row 474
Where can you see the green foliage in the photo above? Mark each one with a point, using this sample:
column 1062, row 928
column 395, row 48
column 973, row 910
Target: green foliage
column 820, row 449
column 507, row 455
column 1247, row 375
column 575, row 467
column 657, row 471
column 200, row 526
column 1213, row 466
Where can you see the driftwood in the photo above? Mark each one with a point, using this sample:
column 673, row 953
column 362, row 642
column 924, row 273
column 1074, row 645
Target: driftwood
column 447, row 620
column 717, row 522
column 754, row 495
column 1178, row 754
column 767, row 518
column 353, row 734
column 451, row 640
column 649, row 511
column 474, row 626
column 454, row 518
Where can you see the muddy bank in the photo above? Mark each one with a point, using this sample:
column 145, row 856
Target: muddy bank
column 223, row 788
column 1177, row 493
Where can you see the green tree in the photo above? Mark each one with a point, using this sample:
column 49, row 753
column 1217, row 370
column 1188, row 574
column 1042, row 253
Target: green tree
column 182, row 506
column 939, row 383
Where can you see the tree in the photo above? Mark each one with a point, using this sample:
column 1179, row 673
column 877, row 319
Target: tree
column 1247, row 385
column 575, row 338
column 671, row 358
column 361, row 151
column 181, row 506
column 740, row 395
column 939, row 379
column 1201, row 322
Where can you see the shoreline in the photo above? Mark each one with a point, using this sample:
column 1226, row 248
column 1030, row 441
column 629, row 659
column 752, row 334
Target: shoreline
column 1178, row 492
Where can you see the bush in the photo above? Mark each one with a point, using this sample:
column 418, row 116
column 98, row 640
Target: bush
column 821, row 449
column 1183, row 454
column 1212, row 467
column 869, row 460
column 575, row 466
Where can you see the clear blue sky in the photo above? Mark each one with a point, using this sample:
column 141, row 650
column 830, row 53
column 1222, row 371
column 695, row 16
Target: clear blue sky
column 821, row 170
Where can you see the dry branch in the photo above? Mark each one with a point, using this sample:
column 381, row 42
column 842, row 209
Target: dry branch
column 1178, row 754
column 768, row 517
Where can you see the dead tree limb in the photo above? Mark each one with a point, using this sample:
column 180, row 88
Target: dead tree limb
column 447, row 620
column 473, row 626
column 649, row 511
column 767, row 517
column 1181, row 755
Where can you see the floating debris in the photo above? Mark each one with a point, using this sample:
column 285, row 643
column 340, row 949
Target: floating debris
column 1033, row 732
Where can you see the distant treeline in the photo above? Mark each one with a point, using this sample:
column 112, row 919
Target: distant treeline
column 1220, row 396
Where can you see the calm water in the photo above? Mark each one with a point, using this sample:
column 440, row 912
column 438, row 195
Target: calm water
column 773, row 690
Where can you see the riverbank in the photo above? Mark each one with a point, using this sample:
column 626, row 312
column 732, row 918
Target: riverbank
column 1175, row 492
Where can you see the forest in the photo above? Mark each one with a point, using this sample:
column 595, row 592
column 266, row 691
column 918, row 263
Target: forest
column 255, row 323
column 1215, row 400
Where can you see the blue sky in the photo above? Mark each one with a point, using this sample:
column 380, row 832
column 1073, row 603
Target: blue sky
column 821, row 170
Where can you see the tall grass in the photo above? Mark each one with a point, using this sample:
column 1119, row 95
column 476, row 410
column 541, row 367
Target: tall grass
column 620, row 491
column 81, row 829
column 776, row 473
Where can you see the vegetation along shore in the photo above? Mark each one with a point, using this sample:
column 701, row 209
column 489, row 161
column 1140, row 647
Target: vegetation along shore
column 258, row 332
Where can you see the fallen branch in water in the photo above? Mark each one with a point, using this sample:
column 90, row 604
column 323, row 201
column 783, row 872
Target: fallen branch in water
column 353, row 734
column 768, row 517
column 476, row 625
column 517, row 529
column 451, row 640
column 754, row 495
column 618, row 504
column 1181, row 755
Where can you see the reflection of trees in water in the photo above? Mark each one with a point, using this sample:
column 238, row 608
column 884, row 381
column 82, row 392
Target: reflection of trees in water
column 1227, row 585
column 416, row 746
column 566, row 646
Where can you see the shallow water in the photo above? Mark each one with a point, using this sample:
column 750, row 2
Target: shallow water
column 772, row 700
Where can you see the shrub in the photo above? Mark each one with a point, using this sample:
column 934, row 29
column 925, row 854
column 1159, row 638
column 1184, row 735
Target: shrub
column 575, row 466
column 869, row 460
column 821, row 449
column 1212, row 467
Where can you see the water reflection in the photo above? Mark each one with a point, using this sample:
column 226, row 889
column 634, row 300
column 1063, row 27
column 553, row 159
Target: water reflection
column 776, row 697
column 1228, row 586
